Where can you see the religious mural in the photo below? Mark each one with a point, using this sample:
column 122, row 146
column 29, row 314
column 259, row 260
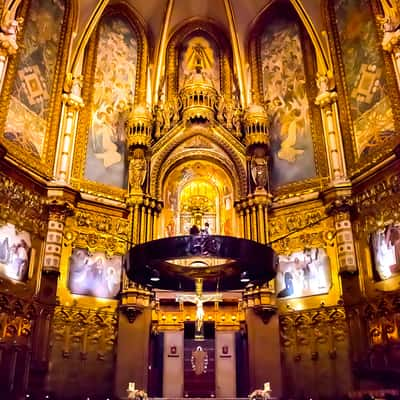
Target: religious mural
column 386, row 251
column 114, row 89
column 364, row 75
column 31, row 94
column 94, row 274
column 284, row 88
column 15, row 249
column 197, row 51
column 303, row 273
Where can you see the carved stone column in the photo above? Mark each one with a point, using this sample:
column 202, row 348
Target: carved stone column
column 326, row 100
column 135, row 305
column 254, row 209
column 340, row 208
column 72, row 103
column 9, row 26
column 58, row 209
column 262, row 322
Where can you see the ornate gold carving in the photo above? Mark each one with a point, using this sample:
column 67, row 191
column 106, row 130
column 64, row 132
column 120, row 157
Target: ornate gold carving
column 378, row 204
column 134, row 300
column 22, row 206
column 307, row 227
column 319, row 329
column 262, row 301
column 17, row 317
column 85, row 329
column 382, row 318
column 94, row 231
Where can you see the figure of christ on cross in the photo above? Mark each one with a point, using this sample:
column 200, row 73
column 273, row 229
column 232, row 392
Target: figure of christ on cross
column 199, row 300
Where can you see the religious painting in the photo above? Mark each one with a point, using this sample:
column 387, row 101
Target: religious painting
column 284, row 79
column 94, row 274
column 113, row 92
column 199, row 52
column 385, row 245
column 15, row 250
column 31, row 93
column 365, row 81
column 303, row 273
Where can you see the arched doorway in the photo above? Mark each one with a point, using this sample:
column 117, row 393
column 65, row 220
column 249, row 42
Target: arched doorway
column 197, row 192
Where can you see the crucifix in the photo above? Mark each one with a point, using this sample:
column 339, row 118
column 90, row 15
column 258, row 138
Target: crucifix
column 199, row 299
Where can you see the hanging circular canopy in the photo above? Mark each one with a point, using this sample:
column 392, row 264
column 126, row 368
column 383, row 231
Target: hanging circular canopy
column 223, row 262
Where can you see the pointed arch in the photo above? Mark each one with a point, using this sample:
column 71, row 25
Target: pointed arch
column 206, row 28
column 161, row 154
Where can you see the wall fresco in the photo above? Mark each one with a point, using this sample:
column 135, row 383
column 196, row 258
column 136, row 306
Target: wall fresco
column 31, row 94
column 364, row 75
column 94, row 274
column 304, row 273
column 284, row 88
column 114, row 89
column 15, row 249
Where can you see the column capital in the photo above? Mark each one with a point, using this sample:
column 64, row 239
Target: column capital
column 8, row 36
column 326, row 99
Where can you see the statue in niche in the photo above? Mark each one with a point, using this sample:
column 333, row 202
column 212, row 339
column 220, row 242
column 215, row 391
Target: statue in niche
column 259, row 168
column 159, row 117
column 220, row 109
column 236, row 122
column 176, row 105
column 137, row 170
column 198, row 60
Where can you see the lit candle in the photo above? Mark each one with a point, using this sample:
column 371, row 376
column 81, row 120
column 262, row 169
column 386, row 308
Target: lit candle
column 267, row 387
column 131, row 386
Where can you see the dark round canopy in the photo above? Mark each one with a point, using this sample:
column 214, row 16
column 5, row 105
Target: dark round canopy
column 221, row 261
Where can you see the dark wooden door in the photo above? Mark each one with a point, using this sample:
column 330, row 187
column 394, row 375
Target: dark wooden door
column 199, row 368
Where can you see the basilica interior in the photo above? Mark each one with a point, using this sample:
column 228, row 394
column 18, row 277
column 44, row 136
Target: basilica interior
column 199, row 199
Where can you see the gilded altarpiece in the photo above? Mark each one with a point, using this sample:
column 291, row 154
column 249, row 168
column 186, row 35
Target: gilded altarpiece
column 114, row 82
column 33, row 86
column 366, row 82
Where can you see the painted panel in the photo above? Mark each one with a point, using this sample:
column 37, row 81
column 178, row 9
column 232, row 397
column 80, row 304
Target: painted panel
column 370, row 108
column 285, row 93
column 31, row 94
column 198, row 50
column 94, row 274
column 303, row 273
column 114, row 89
column 386, row 251
column 15, row 249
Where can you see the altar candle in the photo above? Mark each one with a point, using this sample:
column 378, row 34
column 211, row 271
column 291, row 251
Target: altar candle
column 267, row 387
column 131, row 386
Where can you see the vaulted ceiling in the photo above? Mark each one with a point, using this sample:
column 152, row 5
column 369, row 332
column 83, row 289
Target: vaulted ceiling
column 236, row 17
